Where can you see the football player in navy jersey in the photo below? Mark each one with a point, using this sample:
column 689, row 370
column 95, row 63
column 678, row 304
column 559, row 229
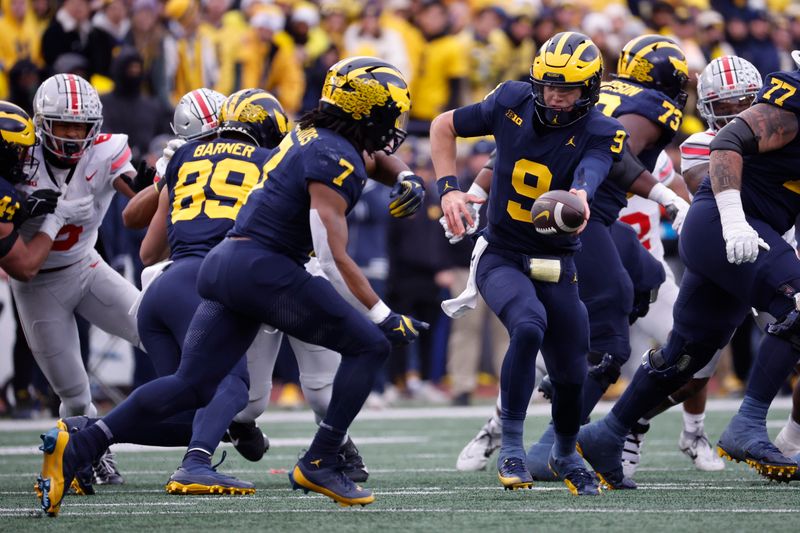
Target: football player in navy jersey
column 21, row 260
column 735, row 259
column 256, row 276
column 647, row 97
column 529, row 280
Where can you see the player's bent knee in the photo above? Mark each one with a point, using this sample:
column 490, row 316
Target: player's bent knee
column 528, row 334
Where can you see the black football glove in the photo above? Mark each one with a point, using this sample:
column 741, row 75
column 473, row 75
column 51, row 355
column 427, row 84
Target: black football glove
column 145, row 175
column 407, row 196
column 401, row 329
column 41, row 202
column 641, row 304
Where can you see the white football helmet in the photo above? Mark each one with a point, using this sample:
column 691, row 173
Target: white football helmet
column 67, row 98
column 197, row 114
column 726, row 87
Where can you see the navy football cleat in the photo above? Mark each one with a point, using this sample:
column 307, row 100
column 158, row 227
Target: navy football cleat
column 539, row 455
column 57, row 470
column 746, row 440
column 198, row 480
column 598, row 445
column 353, row 463
column 248, row 440
column 513, row 474
column 578, row 479
column 330, row 481
column 82, row 482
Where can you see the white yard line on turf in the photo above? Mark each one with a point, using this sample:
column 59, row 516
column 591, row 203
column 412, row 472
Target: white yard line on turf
column 413, row 413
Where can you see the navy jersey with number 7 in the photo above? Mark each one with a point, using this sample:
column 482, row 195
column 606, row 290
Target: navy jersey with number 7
column 208, row 183
column 277, row 212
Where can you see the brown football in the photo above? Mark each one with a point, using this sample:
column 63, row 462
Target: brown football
column 557, row 213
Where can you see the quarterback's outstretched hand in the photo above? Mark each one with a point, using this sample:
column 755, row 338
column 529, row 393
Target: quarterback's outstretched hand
column 401, row 329
column 407, row 196
column 474, row 211
column 41, row 202
column 454, row 207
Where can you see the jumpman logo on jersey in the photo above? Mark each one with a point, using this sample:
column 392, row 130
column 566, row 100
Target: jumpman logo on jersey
column 571, row 142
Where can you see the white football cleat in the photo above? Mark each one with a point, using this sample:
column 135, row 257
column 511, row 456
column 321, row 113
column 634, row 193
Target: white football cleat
column 786, row 443
column 475, row 455
column 699, row 450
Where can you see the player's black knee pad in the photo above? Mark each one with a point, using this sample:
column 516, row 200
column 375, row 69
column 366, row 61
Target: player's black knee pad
column 787, row 328
column 604, row 368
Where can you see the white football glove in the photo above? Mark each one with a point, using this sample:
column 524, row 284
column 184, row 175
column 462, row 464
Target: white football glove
column 172, row 147
column 474, row 211
column 676, row 206
column 76, row 212
column 680, row 208
column 741, row 240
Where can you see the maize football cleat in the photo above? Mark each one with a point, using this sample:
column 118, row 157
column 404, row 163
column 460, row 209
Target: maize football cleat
column 603, row 451
column 84, row 476
column 746, row 440
column 578, row 479
column 475, row 455
column 632, row 449
column 248, row 439
column 539, row 455
column 697, row 447
column 57, row 470
column 352, row 462
column 330, row 481
column 513, row 474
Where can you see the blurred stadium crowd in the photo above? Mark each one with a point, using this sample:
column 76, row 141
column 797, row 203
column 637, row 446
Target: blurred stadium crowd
column 142, row 55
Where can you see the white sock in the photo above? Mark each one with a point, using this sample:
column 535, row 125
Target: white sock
column 793, row 431
column 644, row 421
column 693, row 423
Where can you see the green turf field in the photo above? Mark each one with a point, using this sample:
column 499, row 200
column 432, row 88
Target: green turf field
column 412, row 461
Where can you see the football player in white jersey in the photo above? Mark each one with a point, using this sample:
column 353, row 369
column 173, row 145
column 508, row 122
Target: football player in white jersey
column 727, row 86
column 77, row 161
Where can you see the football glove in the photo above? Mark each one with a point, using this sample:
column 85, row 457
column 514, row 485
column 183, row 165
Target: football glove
column 407, row 196
column 677, row 213
column 76, row 212
column 401, row 329
column 474, row 211
column 741, row 240
column 145, row 174
column 41, row 202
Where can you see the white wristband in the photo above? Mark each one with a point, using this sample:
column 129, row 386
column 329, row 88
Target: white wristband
column 729, row 204
column 662, row 195
column 379, row 312
column 477, row 190
column 51, row 226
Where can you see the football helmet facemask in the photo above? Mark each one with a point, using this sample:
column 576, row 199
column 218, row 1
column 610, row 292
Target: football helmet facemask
column 656, row 62
column 256, row 114
column 726, row 87
column 197, row 114
column 67, row 98
column 568, row 60
column 373, row 94
column 17, row 137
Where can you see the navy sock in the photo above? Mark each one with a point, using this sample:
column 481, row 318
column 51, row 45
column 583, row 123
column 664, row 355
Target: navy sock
column 643, row 394
column 773, row 364
column 565, row 444
column 325, row 446
column 511, row 439
column 211, row 422
column 196, row 459
column 593, row 390
column 754, row 409
column 87, row 445
column 567, row 407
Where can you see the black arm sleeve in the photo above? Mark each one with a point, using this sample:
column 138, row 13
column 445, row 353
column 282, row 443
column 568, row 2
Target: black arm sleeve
column 736, row 136
column 7, row 243
column 625, row 171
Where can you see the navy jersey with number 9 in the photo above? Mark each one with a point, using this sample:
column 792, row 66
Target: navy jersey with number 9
column 277, row 211
column 532, row 160
column 208, row 183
